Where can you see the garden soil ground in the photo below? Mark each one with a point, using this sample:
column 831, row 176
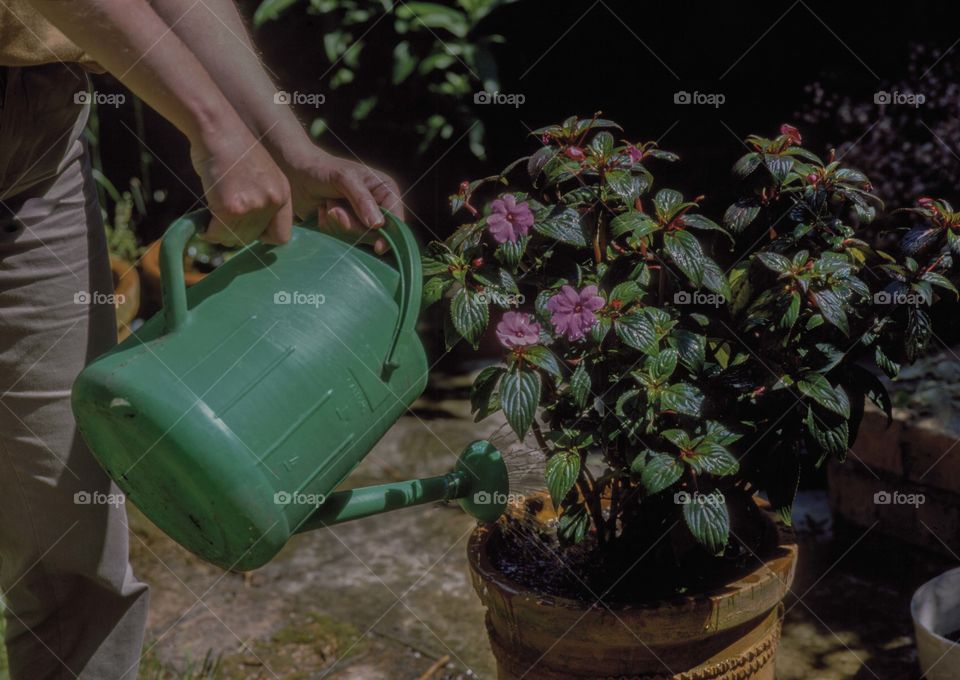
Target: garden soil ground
column 389, row 598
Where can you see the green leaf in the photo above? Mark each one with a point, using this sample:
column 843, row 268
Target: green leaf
column 565, row 226
column 434, row 16
column 831, row 307
column 269, row 10
column 519, row 397
column 685, row 251
column 662, row 365
column 636, row 330
column 818, row 388
column 660, row 472
column 792, row 312
column 542, row 357
column 484, row 399
column 434, row 288
column 678, row 438
column 779, row 166
column 602, row 143
column 714, row 459
column 691, row 348
column 580, row 384
column 470, row 315
column 683, row 398
column 708, row 521
column 830, row 439
column 599, row 330
column 747, row 164
column 774, row 261
column 666, row 203
column 573, row 525
column 740, row 215
column 625, row 185
column 404, row 63
column 511, row 252
column 702, row 223
column 885, row 363
column 626, row 292
column 715, row 280
column 635, row 223
column 941, row 281
column 561, row 474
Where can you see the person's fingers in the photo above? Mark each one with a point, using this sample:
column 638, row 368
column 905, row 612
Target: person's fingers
column 345, row 219
column 387, row 194
column 218, row 232
column 280, row 226
column 380, row 246
column 355, row 190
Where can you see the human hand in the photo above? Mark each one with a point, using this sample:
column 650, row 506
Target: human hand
column 247, row 194
column 346, row 196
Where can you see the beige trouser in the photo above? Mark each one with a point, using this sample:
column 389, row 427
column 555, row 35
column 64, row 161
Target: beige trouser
column 72, row 606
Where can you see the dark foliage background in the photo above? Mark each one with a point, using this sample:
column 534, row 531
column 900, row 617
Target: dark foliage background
column 628, row 59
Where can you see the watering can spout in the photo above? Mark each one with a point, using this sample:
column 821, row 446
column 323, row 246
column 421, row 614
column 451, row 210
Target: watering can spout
column 479, row 482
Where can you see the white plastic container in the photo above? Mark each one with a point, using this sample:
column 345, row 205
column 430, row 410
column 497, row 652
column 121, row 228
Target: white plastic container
column 935, row 609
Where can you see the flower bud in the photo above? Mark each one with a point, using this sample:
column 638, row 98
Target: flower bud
column 574, row 153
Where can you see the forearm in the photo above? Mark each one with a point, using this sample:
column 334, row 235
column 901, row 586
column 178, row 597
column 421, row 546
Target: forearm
column 132, row 42
column 215, row 33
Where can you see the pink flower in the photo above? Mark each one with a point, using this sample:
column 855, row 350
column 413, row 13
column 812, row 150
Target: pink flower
column 791, row 133
column 635, row 154
column 572, row 312
column 518, row 330
column 509, row 220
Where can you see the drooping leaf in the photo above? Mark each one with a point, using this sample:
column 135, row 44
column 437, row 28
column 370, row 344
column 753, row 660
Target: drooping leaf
column 818, row 388
column 561, row 474
column 708, row 520
column 741, row 215
column 573, row 525
column 580, row 384
column 484, row 399
column 519, row 397
column 470, row 315
column 831, row 307
column 685, row 251
column 434, row 288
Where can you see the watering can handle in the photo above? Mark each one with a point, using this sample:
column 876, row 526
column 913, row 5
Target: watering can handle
column 398, row 236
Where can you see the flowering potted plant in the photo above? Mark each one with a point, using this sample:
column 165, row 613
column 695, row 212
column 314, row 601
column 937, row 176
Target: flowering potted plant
column 666, row 389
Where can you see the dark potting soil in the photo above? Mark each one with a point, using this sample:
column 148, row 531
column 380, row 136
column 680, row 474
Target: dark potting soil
column 953, row 637
column 530, row 554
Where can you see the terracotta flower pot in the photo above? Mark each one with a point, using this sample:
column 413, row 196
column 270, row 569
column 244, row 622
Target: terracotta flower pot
column 126, row 287
column 729, row 633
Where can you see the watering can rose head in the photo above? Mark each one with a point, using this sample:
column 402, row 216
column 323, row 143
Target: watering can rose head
column 691, row 357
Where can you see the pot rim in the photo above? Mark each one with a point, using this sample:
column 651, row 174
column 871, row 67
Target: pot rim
column 920, row 593
column 778, row 564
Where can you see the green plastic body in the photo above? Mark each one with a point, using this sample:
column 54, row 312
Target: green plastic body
column 255, row 392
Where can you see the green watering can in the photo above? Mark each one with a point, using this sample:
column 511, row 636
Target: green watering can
column 230, row 416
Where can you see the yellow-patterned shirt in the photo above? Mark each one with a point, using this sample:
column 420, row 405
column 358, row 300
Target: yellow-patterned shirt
column 28, row 39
